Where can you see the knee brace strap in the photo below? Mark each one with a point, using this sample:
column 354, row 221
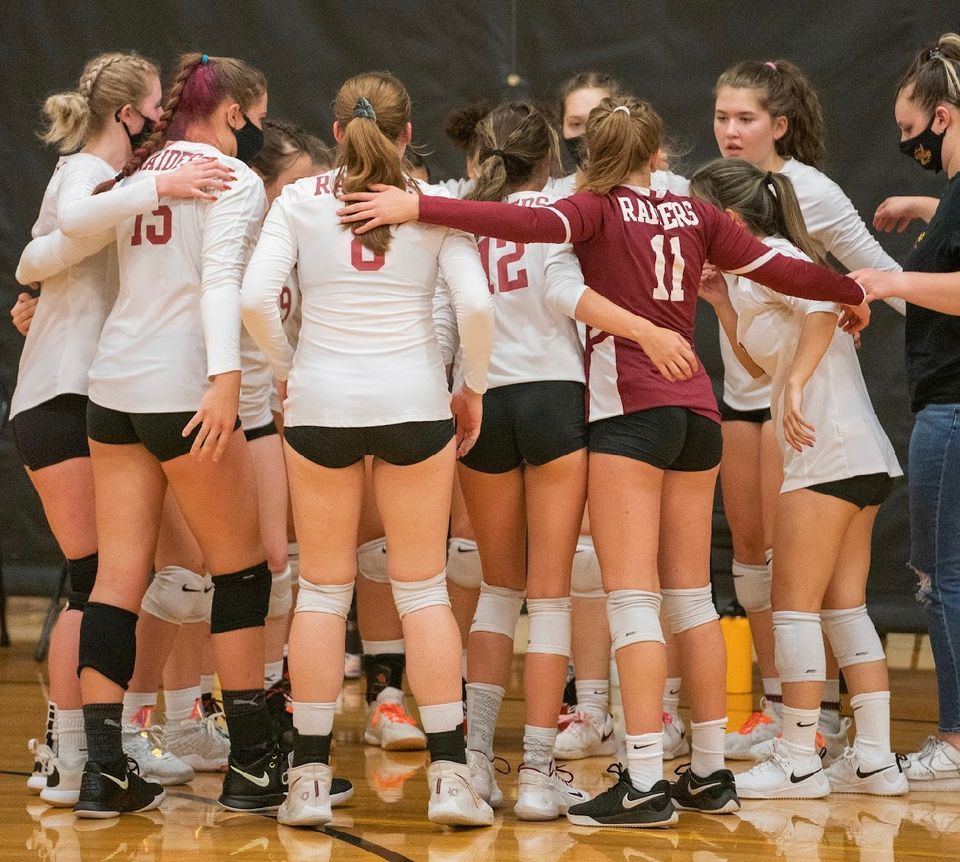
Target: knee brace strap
column 108, row 642
column 798, row 641
column 372, row 561
column 281, row 593
column 413, row 596
column 177, row 595
column 463, row 564
column 332, row 599
column 549, row 626
column 498, row 610
column 687, row 609
column 634, row 617
column 82, row 574
column 752, row 586
column 240, row 599
column 852, row 636
column 585, row 580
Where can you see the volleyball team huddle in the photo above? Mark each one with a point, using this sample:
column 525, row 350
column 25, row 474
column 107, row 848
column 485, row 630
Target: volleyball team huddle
column 230, row 313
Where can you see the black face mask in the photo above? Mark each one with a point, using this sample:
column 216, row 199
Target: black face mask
column 137, row 139
column 575, row 149
column 926, row 148
column 249, row 141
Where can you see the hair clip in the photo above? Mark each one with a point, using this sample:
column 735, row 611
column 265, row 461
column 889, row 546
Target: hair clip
column 771, row 65
column 364, row 109
column 204, row 59
column 623, row 108
column 933, row 54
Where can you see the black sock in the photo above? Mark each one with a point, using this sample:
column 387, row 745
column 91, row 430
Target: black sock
column 382, row 671
column 449, row 745
column 248, row 722
column 102, row 724
column 311, row 749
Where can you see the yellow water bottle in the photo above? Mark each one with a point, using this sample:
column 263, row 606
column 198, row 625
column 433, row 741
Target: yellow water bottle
column 736, row 636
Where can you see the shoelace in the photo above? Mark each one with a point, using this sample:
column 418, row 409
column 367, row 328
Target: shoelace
column 756, row 719
column 620, row 771
column 565, row 775
column 393, row 711
column 506, row 763
column 573, row 718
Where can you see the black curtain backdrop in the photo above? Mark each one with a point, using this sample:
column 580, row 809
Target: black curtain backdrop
column 451, row 52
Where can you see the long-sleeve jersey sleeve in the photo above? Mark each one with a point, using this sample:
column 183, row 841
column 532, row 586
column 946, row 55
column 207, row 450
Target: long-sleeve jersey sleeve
column 563, row 285
column 445, row 323
column 461, row 268
column 498, row 220
column 87, row 214
column 49, row 255
column 271, row 263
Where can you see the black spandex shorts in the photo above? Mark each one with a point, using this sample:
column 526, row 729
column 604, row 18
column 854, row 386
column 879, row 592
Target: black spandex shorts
column 868, row 490
column 669, row 438
column 267, row 430
column 161, row 434
column 402, row 444
column 529, row 422
column 755, row 417
column 51, row 432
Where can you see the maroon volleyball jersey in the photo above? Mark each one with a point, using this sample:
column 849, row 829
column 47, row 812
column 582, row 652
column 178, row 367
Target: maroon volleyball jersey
column 644, row 250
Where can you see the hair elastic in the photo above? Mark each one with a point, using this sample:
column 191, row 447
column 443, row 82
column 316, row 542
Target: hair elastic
column 364, row 109
column 623, row 108
column 770, row 64
column 933, row 54
column 204, row 59
column 498, row 152
column 769, row 177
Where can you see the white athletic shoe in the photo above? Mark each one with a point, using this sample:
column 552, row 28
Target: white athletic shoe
column 582, row 735
column 308, row 796
column 675, row 742
column 849, row 774
column 453, row 801
column 42, row 764
column 62, row 789
column 829, row 745
column 782, row 776
column 546, row 796
column 483, row 778
column 761, row 726
column 936, row 766
column 146, row 746
column 199, row 743
column 390, row 726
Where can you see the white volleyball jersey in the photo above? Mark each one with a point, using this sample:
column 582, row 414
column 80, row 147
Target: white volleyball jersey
column 666, row 181
column 368, row 352
column 176, row 322
column 849, row 438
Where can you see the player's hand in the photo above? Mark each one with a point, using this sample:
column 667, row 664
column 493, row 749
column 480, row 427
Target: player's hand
column 879, row 284
column 713, row 286
column 855, row 318
column 896, row 213
column 796, row 430
column 217, row 417
column 23, row 311
column 198, row 178
column 382, row 205
column 467, row 408
column 669, row 352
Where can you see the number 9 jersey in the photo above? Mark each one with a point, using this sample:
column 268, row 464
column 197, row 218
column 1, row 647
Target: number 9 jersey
column 176, row 321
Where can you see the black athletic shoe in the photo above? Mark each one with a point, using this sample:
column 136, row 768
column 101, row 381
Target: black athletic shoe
column 626, row 807
column 715, row 794
column 570, row 696
column 278, row 699
column 109, row 791
column 340, row 791
column 256, row 786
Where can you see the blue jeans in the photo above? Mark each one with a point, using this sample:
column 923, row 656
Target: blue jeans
column 935, row 544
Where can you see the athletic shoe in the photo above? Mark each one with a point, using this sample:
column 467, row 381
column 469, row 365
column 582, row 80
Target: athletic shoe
column 625, row 807
column 783, row 776
column 256, row 786
column 341, row 791
column 483, row 778
column 453, row 801
column 64, row 781
column 936, row 766
column 545, row 796
column 569, row 704
column 761, row 726
column 198, row 742
column 308, row 796
column 109, row 791
column 675, row 742
column 390, row 726
column 280, row 707
column 212, row 708
column 582, row 735
column 352, row 665
column 387, row 773
column 829, row 745
column 42, row 756
column 713, row 794
column 850, row 774
column 146, row 746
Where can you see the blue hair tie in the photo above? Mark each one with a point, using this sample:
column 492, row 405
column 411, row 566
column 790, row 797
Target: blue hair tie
column 204, row 59
column 364, row 109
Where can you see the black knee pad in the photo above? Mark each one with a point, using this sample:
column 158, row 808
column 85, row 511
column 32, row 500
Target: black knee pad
column 82, row 574
column 241, row 599
column 108, row 642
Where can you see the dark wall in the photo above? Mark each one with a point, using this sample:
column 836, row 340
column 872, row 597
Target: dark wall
column 669, row 52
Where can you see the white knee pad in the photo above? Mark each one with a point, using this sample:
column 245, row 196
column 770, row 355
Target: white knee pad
column 585, row 581
column 177, row 595
column 752, row 586
column 413, row 596
column 463, row 564
column 498, row 610
column 852, row 636
column 798, row 641
column 293, row 560
column 281, row 594
column 332, row 599
column 687, row 609
column 634, row 617
column 372, row 561
column 549, row 626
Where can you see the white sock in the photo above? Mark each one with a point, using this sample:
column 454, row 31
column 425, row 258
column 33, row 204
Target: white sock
column 442, row 717
column 645, row 759
column 772, row 689
column 671, row 695
column 134, row 701
column 830, row 715
column 71, row 740
column 382, row 647
column 593, row 697
column 483, row 710
column 800, row 731
column 313, row 719
column 706, row 741
column 538, row 747
column 206, row 683
column 272, row 673
column 178, row 704
column 871, row 712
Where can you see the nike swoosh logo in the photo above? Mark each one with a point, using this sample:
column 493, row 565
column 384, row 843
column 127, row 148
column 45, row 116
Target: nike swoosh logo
column 696, row 791
column 861, row 774
column 123, row 785
column 796, row 779
column 629, row 803
column 638, row 747
column 812, row 723
column 262, row 781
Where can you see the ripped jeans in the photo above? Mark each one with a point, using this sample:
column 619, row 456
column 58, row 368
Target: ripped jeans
column 934, row 489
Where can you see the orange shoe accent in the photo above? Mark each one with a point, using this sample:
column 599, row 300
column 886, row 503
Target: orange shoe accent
column 393, row 711
column 755, row 719
column 144, row 717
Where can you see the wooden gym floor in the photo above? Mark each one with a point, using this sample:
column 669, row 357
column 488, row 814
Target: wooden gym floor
column 386, row 818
